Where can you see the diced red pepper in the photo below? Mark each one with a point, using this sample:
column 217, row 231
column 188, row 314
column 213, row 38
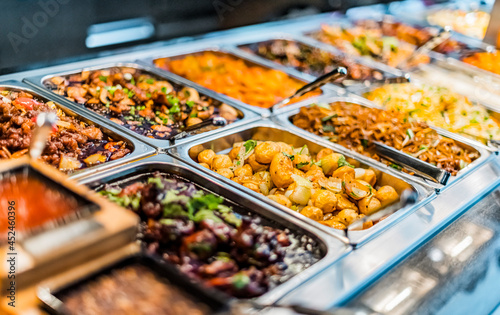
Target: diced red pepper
column 26, row 102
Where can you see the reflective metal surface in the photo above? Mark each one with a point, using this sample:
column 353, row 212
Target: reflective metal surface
column 332, row 248
column 256, row 38
column 269, row 131
column 344, row 273
column 420, row 79
column 232, row 51
column 139, row 149
column 284, row 120
column 38, row 83
column 442, row 276
column 347, row 278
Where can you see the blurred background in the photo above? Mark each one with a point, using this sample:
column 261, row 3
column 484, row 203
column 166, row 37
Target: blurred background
column 38, row 33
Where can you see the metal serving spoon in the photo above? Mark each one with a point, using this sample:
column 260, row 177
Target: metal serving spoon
column 44, row 124
column 339, row 72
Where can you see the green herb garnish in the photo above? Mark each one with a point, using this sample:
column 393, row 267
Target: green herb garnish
column 395, row 166
column 343, row 162
column 291, row 157
column 249, row 145
column 302, row 164
column 328, row 128
column 329, row 117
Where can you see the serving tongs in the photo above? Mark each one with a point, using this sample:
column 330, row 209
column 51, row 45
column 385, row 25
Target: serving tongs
column 423, row 169
column 408, row 197
column 426, row 48
column 45, row 123
column 216, row 121
column 395, row 80
column 338, row 73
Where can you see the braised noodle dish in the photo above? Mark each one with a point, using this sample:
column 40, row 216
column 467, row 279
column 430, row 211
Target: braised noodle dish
column 355, row 126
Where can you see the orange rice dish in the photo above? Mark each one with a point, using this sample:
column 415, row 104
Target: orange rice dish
column 234, row 77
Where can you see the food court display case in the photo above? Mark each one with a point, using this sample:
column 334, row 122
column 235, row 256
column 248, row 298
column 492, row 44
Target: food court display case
column 431, row 249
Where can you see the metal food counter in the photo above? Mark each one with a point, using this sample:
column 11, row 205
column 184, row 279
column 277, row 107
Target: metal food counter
column 437, row 255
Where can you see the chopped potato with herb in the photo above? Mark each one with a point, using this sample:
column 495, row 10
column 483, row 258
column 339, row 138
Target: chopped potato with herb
column 322, row 186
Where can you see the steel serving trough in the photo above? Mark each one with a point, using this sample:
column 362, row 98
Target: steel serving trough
column 450, row 61
column 418, row 80
column 243, row 43
column 284, row 119
column 139, row 149
column 181, row 52
column 332, row 248
column 270, row 131
column 39, row 83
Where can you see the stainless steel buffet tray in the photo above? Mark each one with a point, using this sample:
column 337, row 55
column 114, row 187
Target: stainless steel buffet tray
column 284, row 119
column 139, row 149
column 180, row 52
column 38, row 82
column 269, row 131
column 416, row 12
column 332, row 249
column 243, row 42
column 450, row 61
column 419, row 80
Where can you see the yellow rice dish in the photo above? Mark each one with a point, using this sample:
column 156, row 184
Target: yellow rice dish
column 439, row 107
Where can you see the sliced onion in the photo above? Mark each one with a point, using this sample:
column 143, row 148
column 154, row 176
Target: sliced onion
column 300, row 195
column 264, row 189
column 359, row 172
column 301, row 181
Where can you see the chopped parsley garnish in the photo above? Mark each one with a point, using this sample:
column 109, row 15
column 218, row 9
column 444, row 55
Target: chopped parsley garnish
column 249, row 145
column 111, row 89
column 291, row 157
column 164, row 90
column 395, row 166
column 103, row 78
column 328, row 128
column 175, row 109
column 190, row 104
column 172, row 100
column 343, row 162
column 302, row 164
column 150, row 81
